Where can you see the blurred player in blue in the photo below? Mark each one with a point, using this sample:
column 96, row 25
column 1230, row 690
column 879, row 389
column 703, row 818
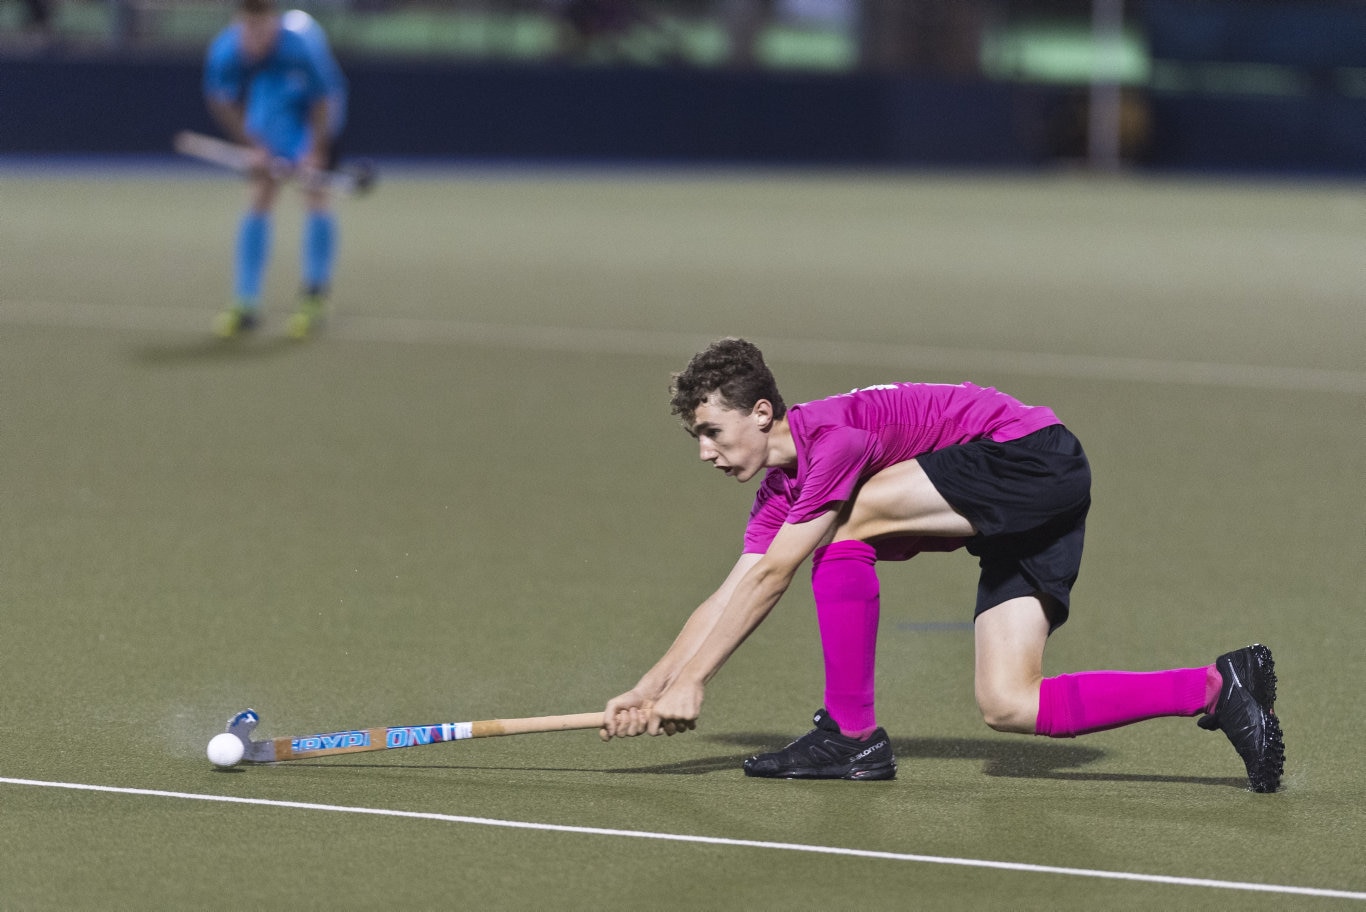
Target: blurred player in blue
column 271, row 82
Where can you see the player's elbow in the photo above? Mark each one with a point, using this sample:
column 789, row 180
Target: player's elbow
column 771, row 579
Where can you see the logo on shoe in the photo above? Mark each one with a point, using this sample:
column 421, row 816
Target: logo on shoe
column 868, row 750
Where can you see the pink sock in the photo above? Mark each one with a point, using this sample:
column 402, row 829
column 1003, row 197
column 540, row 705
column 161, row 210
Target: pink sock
column 1091, row 701
column 846, row 590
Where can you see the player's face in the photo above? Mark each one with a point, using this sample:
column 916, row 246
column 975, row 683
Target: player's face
column 259, row 31
column 734, row 441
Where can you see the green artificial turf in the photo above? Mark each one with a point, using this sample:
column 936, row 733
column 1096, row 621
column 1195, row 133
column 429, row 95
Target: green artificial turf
column 466, row 499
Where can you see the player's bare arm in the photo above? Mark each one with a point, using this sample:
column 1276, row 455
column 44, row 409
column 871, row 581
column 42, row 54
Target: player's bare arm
column 319, row 119
column 231, row 119
column 627, row 715
column 679, row 705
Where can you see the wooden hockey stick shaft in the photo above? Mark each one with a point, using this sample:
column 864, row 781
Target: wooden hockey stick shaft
column 395, row 736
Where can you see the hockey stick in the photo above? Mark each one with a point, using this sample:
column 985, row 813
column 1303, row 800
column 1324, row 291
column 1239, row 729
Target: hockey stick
column 394, row 736
column 352, row 180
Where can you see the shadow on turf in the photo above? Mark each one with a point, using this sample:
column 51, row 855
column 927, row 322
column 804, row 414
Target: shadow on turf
column 212, row 350
column 1004, row 757
column 1027, row 759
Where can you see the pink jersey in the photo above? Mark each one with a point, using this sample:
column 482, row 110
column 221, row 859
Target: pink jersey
column 844, row 439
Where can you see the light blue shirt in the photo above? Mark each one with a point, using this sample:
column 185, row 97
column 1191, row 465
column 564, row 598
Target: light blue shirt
column 279, row 90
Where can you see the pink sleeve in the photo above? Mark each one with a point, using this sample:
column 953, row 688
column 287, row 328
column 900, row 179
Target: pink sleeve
column 836, row 459
column 768, row 514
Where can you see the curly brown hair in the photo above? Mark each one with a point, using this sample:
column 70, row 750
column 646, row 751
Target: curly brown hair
column 732, row 368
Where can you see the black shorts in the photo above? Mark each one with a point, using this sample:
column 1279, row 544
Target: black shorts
column 1028, row 500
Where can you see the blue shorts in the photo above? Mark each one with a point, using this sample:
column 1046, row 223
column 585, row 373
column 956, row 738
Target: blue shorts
column 1028, row 500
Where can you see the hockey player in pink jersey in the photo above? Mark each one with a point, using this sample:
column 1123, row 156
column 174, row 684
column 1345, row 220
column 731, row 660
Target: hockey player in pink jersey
column 882, row 474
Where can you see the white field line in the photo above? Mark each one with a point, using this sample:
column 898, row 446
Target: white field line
column 903, row 358
column 710, row 840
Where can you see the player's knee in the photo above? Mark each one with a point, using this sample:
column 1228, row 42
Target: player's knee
column 1007, row 711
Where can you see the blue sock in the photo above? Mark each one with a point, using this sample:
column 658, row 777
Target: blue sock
column 253, row 249
column 320, row 251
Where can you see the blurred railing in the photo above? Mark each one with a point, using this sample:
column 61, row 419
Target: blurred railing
column 1277, row 83
column 1043, row 40
column 689, row 32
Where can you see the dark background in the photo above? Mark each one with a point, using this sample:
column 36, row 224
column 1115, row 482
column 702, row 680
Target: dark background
column 1207, row 105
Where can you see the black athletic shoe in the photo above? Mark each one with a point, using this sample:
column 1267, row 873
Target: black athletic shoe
column 826, row 753
column 1245, row 712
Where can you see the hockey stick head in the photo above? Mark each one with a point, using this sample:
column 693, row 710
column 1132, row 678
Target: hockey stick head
column 242, row 725
column 355, row 179
column 361, row 175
